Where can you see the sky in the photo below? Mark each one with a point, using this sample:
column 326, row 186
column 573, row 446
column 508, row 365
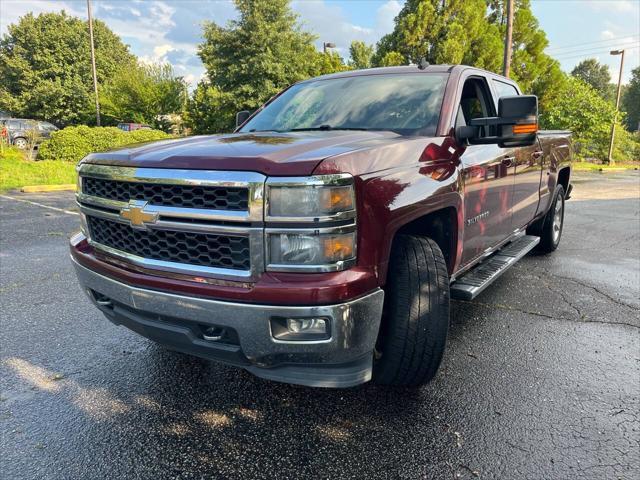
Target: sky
column 170, row 30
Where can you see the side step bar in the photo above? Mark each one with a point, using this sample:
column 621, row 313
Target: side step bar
column 469, row 286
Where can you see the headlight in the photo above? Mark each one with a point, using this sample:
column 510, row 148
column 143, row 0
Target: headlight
column 324, row 197
column 299, row 206
column 326, row 251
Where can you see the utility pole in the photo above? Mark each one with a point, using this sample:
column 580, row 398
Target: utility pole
column 506, row 64
column 93, row 63
column 615, row 117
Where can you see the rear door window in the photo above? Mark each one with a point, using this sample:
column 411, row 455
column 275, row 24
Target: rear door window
column 504, row 89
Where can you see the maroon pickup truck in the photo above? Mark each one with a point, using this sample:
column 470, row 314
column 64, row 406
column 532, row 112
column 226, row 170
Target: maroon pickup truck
column 319, row 243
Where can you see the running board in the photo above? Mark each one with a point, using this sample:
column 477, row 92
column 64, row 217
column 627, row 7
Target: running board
column 476, row 280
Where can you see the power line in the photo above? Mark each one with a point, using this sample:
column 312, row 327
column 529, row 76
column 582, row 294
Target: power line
column 590, row 54
column 598, row 48
column 578, row 45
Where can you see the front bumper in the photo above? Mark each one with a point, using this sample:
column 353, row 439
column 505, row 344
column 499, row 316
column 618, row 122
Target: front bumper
column 177, row 321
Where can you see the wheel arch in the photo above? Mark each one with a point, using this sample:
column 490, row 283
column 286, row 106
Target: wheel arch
column 564, row 174
column 442, row 224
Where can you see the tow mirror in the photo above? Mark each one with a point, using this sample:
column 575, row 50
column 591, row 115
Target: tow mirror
column 515, row 126
column 242, row 117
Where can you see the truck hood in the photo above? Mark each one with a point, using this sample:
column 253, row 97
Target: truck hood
column 296, row 153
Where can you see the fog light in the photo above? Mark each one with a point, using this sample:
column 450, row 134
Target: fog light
column 300, row 329
column 309, row 325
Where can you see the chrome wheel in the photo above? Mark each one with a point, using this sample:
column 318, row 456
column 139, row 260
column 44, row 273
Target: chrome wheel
column 558, row 216
column 21, row 143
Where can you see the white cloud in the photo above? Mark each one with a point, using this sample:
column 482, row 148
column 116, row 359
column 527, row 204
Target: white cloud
column 329, row 21
column 161, row 50
column 12, row 10
column 618, row 6
column 607, row 34
column 385, row 16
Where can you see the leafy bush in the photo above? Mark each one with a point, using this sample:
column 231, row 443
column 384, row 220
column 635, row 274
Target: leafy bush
column 626, row 146
column 580, row 108
column 71, row 144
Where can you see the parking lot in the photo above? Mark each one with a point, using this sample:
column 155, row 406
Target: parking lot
column 541, row 378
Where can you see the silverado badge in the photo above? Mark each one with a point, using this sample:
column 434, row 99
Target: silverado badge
column 137, row 216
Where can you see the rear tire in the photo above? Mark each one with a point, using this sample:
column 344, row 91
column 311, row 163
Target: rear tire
column 416, row 319
column 550, row 226
column 20, row 143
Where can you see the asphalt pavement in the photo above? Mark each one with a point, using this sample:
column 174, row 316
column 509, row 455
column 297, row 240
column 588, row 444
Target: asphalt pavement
column 541, row 377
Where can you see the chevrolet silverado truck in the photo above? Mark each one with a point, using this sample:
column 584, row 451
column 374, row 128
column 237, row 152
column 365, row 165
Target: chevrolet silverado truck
column 319, row 244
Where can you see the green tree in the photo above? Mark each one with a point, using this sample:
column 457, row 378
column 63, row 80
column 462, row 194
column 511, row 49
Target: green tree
column 595, row 74
column 581, row 109
column 361, row 55
column 210, row 110
column 392, row 59
column 45, row 66
column 450, row 32
column 330, row 62
column 631, row 101
column 471, row 32
column 253, row 58
column 143, row 94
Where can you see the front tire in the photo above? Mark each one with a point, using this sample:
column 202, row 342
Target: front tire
column 416, row 314
column 21, row 143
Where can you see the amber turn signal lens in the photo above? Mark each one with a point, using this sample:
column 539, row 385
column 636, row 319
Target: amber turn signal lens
column 337, row 199
column 525, row 128
column 339, row 247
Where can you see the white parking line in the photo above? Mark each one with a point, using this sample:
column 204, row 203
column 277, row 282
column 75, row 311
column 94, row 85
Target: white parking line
column 68, row 212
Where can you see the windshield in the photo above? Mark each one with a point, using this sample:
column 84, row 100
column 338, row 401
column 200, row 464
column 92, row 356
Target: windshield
column 408, row 104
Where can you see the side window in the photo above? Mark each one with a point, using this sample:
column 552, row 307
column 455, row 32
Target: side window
column 504, row 89
column 474, row 102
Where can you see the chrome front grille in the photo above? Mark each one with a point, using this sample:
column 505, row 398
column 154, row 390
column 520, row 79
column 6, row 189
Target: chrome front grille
column 190, row 222
column 184, row 196
column 203, row 249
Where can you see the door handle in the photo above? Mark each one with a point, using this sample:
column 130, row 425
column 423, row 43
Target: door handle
column 537, row 154
column 508, row 161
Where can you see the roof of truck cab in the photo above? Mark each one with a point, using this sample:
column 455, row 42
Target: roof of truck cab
column 400, row 70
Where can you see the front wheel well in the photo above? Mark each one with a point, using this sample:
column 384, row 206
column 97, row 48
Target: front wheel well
column 440, row 226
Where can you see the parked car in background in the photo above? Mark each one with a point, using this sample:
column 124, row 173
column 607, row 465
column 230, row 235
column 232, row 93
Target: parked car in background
column 130, row 127
column 18, row 130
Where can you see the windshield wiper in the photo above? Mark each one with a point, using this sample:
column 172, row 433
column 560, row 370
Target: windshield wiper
column 323, row 128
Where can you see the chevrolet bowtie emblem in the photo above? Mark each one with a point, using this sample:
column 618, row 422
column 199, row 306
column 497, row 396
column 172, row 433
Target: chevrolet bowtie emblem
column 135, row 213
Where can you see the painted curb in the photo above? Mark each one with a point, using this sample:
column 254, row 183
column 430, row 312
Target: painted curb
column 48, row 188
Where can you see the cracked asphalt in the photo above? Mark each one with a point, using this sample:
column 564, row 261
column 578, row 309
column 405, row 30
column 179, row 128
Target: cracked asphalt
column 541, row 377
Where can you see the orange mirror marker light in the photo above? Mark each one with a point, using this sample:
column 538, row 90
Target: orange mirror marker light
column 525, row 128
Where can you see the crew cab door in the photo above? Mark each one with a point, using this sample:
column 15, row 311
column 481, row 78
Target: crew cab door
column 527, row 162
column 487, row 172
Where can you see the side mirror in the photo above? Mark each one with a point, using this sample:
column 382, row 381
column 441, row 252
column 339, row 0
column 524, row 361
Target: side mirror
column 515, row 126
column 242, row 117
column 520, row 114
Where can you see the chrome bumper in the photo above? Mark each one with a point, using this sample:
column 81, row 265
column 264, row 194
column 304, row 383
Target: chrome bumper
column 343, row 360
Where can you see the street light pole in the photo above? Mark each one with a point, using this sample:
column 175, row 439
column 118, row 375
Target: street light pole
column 610, row 160
column 326, row 45
column 506, row 63
column 93, row 63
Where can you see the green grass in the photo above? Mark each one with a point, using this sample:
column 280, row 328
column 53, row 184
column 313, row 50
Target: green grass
column 594, row 167
column 16, row 172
